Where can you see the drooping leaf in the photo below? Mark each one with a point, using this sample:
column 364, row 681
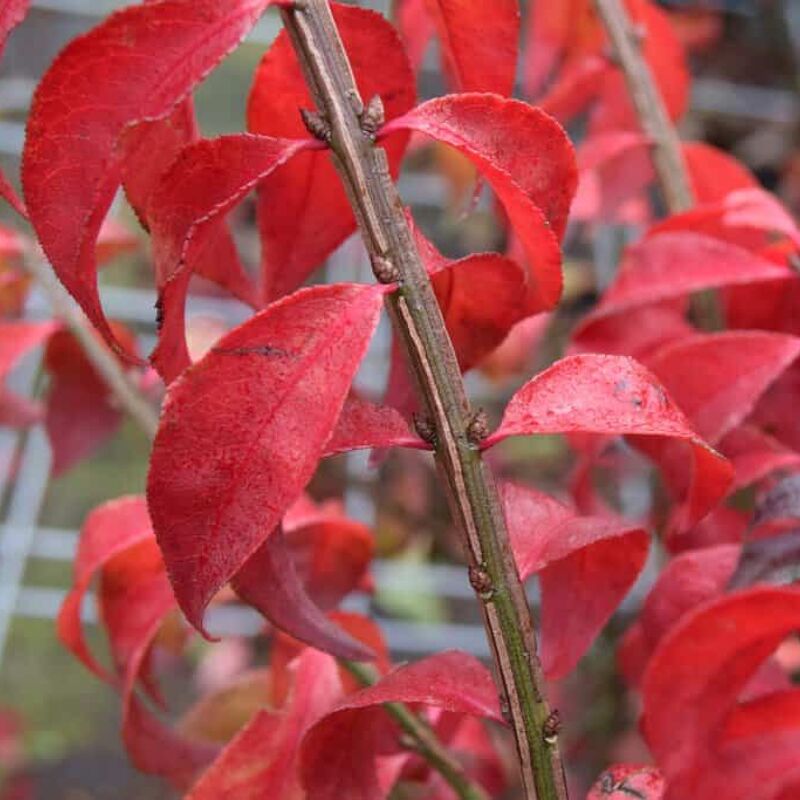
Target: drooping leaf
column 624, row 781
column 81, row 412
column 585, row 565
column 269, row 581
column 16, row 340
column 117, row 544
column 303, row 211
column 262, row 761
column 528, row 161
column 243, row 429
column 613, row 395
column 358, row 726
column 479, row 40
column 692, row 685
column 718, row 378
column 136, row 65
column 207, row 179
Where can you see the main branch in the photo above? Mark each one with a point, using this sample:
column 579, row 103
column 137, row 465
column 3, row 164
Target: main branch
column 344, row 122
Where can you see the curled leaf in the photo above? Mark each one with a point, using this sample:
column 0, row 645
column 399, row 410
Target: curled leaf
column 527, row 159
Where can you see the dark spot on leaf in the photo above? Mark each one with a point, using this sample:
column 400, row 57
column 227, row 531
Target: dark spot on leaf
column 254, row 350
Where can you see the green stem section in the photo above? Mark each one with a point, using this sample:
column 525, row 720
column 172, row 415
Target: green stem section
column 422, row 738
column 417, row 318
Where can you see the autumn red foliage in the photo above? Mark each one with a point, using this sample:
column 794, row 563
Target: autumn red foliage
column 244, row 426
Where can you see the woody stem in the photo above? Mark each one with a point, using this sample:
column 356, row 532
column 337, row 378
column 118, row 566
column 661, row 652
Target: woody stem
column 417, row 319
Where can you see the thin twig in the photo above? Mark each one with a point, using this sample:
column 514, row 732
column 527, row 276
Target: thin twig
column 423, row 739
column 417, row 318
column 125, row 391
column 626, row 42
column 671, row 171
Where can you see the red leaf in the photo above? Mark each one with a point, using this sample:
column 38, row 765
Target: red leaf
column 262, row 760
column 243, row 429
column 479, row 43
column 136, row 65
column 701, row 666
column 303, row 211
column 16, row 340
column 688, row 581
column 415, row 27
column 12, row 12
column 359, row 728
column 624, row 781
column 207, row 179
column 331, row 553
column 743, row 211
column 586, row 565
column 717, row 379
column 81, row 412
column 363, row 425
column 638, row 332
column 529, row 162
column 754, row 455
column 615, row 169
column 613, row 395
column 481, row 297
column 672, row 265
column 713, row 173
column 110, row 530
column 269, row 582
column 150, row 148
